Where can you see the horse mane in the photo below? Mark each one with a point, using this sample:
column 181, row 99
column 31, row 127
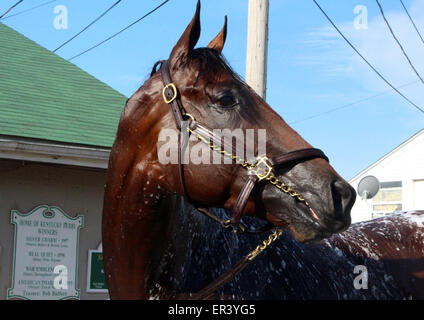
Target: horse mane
column 207, row 58
column 213, row 60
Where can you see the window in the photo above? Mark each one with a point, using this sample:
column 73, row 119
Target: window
column 388, row 199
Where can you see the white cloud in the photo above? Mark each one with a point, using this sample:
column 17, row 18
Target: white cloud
column 335, row 57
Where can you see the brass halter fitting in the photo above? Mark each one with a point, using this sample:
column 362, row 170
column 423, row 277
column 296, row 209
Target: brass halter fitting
column 238, row 228
column 261, row 168
column 175, row 91
column 190, row 116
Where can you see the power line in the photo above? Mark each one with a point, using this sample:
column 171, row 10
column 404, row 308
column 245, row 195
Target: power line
column 11, row 8
column 30, row 9
column 119, row 32
column 350, row 104
column 366, row 61
column 88, row 26
column 413, row 23
column 398, row 42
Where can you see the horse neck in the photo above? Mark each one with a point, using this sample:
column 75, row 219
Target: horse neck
column 136, row 212
column 135, row 224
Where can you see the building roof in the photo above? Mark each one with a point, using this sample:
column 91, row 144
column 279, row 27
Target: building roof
column 387, row 155
column 45, row 97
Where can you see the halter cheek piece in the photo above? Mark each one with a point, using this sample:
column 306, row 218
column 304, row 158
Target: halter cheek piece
column 261, row 170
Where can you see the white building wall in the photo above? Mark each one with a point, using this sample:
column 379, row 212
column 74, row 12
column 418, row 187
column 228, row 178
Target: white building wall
column 406, row 164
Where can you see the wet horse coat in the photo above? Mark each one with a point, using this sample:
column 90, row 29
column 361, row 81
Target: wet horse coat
column 391, row 248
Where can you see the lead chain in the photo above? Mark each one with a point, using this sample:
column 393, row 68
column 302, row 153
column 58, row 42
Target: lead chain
column 271, row 178
column 265, row 244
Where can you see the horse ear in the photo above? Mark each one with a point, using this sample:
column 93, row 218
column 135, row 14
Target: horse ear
column 218, row 42
column 188, row 39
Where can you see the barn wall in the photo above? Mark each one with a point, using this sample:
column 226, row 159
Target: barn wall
column 75, row 191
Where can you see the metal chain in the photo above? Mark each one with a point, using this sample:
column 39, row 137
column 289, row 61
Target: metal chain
column 271, row 178
column 214, row 147
column 265, row 244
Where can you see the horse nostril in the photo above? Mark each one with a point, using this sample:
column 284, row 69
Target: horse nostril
column 343, row 198
column 342, row 189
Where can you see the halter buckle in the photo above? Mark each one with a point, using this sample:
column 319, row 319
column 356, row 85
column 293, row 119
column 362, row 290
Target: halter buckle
column 235, row 228
column 174, row 89
column 262, row 168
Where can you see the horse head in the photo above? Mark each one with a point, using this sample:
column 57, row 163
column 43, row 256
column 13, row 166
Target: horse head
column 304, row 194
column 211, row 92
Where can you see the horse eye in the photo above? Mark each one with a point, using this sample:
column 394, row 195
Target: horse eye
column 226, row 101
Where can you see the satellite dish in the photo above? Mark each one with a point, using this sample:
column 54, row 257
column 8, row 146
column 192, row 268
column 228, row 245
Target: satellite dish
column 368, row 187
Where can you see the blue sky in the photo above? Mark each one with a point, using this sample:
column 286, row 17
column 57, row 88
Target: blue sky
column 310, row 68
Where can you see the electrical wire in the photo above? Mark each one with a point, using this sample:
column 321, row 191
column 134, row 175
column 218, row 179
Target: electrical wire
column 30, row 9
column 119, row 32
column 366, row 61
column 88, row 26
column 412, row 21
column 11, row 8
column 398, row 42
column 350, row 104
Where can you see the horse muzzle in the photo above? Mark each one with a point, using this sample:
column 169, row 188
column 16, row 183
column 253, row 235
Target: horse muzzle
column 327, row 213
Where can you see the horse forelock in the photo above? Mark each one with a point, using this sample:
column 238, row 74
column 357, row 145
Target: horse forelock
column 207, row 61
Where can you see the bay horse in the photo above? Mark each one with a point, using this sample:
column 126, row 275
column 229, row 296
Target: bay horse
column 292, row 187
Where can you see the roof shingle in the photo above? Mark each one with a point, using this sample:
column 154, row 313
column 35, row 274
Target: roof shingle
column 46, row 97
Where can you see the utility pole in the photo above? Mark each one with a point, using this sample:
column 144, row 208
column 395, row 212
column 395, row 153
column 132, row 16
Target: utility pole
column 257, row 46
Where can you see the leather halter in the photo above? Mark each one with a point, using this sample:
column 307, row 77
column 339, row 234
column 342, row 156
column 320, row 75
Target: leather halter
column 261, row 170
column 171, row 97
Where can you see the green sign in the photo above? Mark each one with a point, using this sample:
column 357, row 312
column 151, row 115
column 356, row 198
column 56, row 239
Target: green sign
column 96, row 281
